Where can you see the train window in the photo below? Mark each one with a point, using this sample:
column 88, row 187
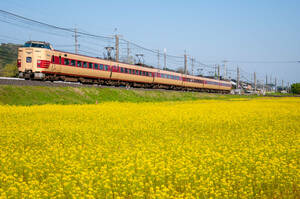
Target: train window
column 121, row 69
column 79, row 63
column 101, row 66
column 59, row 59
column 84, row 65
column 90, row 65
column 53, row 60
column 136, row 72
column 140, row 72
column 147, row 74
column 126, row 70
column 133, row 71
column 150, row 74
column 96, row 66
column 73, row 62
column 106, row 67
column 129, row 71
column 67, row 62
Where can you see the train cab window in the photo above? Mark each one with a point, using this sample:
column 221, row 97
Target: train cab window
column 59, row 59
column 101, row 66
column 73, row 62
column 96, row 66
column 106, row 67
column 84, row 65
column 79, row 63
column 90, row 65
column 53, row 59
column 67, row 62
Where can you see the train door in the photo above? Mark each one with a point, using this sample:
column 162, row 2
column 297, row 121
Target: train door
column 53, row 61
column 56, row 61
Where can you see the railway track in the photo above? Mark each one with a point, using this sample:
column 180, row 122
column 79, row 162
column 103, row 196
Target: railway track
column 22, row 82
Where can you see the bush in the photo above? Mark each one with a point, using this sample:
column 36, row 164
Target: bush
column 295, row 88
column 10, row 70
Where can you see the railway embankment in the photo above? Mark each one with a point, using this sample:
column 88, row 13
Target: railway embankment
column 38, row 95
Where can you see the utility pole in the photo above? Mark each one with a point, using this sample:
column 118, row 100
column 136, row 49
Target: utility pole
column 215, row 71
column 282, row 84
column 158, row 57
column 192, row 66
column 254, row 81
column 76, row 40
column 117, row 47
column 128, row 53
column 185, row 63
column 165, row 59
column 225, row 70
column 266, row 79
column 275, row 84
column 218, row 72
column 238, row 78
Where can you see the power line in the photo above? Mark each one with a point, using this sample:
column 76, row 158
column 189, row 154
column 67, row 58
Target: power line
column 264, row 62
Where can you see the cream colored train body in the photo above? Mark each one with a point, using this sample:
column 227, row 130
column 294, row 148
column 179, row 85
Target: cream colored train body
column 38, row 60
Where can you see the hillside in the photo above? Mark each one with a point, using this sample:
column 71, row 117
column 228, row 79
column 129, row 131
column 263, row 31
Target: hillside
column 8, row 57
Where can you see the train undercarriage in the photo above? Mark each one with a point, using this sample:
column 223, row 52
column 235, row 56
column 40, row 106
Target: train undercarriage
column 29, row 75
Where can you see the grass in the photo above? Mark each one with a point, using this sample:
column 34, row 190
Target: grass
column 39, row 95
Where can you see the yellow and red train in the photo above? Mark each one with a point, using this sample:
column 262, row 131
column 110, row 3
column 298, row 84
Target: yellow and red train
column 38, row 60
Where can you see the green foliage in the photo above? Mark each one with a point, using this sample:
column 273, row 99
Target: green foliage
column 8, row 56
column 9, row 70
column 295, row 88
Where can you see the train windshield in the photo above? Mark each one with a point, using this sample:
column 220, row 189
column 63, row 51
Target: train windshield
column 37, row 45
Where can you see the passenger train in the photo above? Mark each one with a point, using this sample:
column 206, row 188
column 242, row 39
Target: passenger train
column 38, row 60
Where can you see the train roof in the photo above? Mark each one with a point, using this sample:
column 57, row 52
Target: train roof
column 38, row 44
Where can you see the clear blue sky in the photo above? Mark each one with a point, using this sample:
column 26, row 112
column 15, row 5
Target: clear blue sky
column 211, row 31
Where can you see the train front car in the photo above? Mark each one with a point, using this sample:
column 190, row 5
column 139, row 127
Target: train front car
column 33, row 58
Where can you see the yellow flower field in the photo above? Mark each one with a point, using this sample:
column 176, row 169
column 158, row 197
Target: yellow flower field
column 196, row 149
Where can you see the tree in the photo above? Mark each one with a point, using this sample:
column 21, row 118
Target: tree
column 295, row 88
column 10, row 70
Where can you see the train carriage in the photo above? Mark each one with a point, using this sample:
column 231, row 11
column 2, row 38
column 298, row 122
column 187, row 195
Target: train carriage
column 38, row 60
column 168, row 78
